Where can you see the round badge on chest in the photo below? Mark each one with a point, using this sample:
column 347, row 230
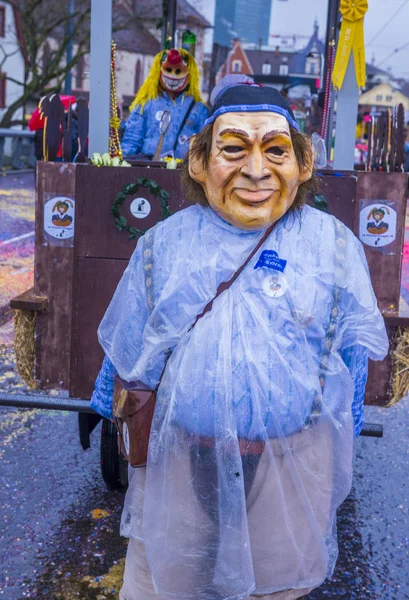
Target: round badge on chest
column 275, row 285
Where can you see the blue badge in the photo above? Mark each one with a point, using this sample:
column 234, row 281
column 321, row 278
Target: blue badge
column 271, row 260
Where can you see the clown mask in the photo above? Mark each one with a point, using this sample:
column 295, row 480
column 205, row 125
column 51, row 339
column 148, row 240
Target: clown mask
column 174, row 73
column 252, row 177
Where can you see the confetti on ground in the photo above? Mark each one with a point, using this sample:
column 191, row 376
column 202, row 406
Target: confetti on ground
column 17, row 209
column 110, row 583
column 99, row 513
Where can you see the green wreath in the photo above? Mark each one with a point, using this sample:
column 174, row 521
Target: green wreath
column 130, row 189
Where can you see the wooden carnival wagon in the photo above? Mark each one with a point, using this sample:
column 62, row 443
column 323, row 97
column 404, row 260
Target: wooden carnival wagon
column 79, row 264
column 80, row 255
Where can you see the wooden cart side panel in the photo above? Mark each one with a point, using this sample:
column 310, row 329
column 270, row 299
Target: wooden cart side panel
column 379, row 382
column 98, row 187
column 53, row 279
column 380, row 373
column 385, row 268
column 340, row 193
column 94, row 285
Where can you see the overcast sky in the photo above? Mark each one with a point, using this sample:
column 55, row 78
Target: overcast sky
column 297, row 16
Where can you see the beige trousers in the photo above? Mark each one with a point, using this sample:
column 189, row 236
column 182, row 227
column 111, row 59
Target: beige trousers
column 312, row 457
column 138, row 583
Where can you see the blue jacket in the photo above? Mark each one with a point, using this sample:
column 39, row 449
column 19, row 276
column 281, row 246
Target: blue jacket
column 142, row 130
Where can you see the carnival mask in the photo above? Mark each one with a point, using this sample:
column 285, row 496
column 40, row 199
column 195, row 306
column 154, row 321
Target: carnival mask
column 252, row 177
column 174, row 73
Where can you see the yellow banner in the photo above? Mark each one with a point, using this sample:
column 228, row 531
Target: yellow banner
column 351, row 37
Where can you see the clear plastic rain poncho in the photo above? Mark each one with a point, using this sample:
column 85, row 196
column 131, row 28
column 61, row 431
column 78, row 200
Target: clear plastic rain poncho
column 251, row 445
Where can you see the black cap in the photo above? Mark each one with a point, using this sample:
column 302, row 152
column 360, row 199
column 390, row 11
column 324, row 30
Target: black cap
column 251, row 98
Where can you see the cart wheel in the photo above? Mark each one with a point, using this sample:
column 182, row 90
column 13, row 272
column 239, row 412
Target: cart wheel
column 114, row 467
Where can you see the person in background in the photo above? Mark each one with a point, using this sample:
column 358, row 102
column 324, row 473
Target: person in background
column 172, row 86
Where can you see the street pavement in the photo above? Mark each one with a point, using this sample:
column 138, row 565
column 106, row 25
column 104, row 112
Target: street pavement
column 59, row 535
column 16, row 238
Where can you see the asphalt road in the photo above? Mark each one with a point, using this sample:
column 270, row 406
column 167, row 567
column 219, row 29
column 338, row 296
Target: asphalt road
column 59, row 535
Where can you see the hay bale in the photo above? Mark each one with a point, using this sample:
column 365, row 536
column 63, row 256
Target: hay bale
column 400, row 363
column 24, row 344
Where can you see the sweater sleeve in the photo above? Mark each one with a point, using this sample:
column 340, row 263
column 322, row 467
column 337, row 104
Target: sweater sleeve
column 101, row 400
column 356, row 359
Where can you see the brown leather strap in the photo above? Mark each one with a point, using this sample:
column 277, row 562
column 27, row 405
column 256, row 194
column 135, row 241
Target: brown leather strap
column 225, row 285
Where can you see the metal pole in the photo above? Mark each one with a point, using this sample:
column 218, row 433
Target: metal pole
column 47, row 402
column 332, row 21
column 70, row 31
column 173, row 4
column 332, row 30
column 165, row 20
column 346, row 114
column 169, row 22
column 36, row 401
column 100, row 76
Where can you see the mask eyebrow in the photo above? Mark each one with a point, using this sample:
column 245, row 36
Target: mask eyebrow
column 274, row 133
column 231, row 131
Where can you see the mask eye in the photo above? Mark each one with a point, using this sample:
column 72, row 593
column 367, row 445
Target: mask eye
column 233, row 149
column 164, row 56
column 275, row 150
column 185, row 60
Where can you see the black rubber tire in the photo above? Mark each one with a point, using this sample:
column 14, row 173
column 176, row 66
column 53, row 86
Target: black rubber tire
column 114, row 467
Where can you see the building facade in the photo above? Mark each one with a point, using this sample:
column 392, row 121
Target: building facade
column 11, row 60
column 297, row 70
column 239, row 19
column 134, row 31
column 149, row 13
column 138, row 43
column 382, row 96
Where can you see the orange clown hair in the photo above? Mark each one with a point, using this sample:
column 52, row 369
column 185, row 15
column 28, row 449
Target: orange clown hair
column 151, row 88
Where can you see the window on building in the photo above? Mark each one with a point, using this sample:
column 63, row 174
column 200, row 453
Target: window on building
column 312, row 66
column 2, row 90
column 2, row 21
column 266, row 68
column 283, row 69
column 79, row 73
column 388, row 98
column 138, row 76
column 379, row 97
column 236, row 66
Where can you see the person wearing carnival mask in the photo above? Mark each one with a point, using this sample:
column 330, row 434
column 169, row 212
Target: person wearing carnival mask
column 250, row 450
column 173, row 86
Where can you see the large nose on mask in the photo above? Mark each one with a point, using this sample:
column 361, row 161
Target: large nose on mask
column 173, row 61
column 255, row 168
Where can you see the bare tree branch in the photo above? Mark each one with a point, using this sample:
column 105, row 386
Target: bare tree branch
column 43, row 37
column 7, row 55
column 16, row 81
column 43, row 27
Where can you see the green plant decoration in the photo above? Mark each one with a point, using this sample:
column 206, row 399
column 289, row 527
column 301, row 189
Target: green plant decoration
column 130, row 189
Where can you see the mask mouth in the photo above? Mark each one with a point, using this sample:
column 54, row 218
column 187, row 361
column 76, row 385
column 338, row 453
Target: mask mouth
column 254, row 196
column 174, row 84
